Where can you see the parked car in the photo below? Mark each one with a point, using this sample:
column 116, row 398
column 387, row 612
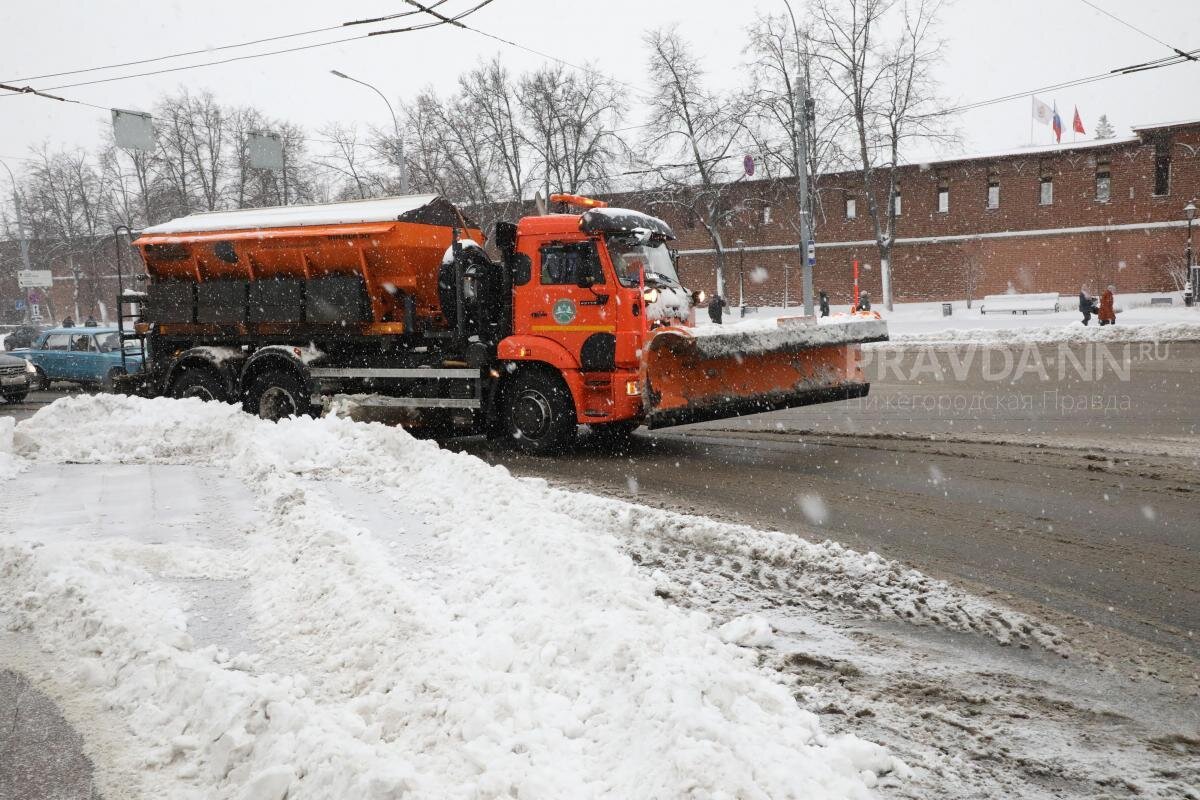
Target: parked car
column 16, row 376
column 24, row 336
column 88, row 356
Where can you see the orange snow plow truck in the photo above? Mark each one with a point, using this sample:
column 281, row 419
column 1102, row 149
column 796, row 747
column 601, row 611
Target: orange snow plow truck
column 394, row 302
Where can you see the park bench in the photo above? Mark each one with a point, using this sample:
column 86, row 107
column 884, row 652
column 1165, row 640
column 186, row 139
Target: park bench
column 1162, row 301
column 1046, row 302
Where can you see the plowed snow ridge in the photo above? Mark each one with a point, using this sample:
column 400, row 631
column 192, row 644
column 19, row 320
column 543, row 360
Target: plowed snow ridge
column 502, row 646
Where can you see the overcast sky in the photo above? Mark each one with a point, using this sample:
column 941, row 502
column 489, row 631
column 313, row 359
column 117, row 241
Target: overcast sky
column 993, row 49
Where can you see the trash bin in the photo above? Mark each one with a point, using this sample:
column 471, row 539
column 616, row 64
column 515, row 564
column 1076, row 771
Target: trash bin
column 947, row 309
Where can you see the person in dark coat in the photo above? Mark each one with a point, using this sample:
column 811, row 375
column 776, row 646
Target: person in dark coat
column 863, row 303
column 1085, row 305
column 68, row 323
column 1108, row 312
column 823, row 300
column 90, row 322
column 716, row 308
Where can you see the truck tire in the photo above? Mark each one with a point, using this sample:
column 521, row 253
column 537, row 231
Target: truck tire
column 16, row 397
column 200, row 383
column 538, row 414
column 277, row 395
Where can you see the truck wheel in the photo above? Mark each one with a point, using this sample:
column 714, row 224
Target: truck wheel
column 278, row 395
column 16, row 397
column 200, row 383
column 539, row 415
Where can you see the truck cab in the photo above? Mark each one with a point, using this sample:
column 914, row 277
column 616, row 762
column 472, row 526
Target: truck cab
column 587, row 292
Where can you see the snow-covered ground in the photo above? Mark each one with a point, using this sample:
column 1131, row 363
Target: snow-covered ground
column 323, row 608
column 1137, row 320
column 230, row 608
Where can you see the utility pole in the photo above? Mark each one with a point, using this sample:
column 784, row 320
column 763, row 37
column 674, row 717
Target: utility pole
column 800, row 152
column 22, row 242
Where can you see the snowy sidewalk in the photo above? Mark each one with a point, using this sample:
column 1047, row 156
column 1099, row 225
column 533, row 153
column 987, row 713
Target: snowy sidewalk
column 321, row 608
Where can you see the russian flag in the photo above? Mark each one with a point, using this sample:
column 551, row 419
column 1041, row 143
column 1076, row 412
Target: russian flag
column 1057, row 125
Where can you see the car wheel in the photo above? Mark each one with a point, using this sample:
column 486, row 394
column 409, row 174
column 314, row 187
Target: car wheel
column 40, row 381
column 539, row 414
column 109, row 384
column 203, row 384
column 16, row 397
column 278, row 395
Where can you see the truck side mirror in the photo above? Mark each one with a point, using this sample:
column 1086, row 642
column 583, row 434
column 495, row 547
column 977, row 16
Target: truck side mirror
column 522, row 269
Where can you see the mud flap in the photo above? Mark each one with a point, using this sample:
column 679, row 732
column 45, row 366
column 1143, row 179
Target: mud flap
column 713, row 375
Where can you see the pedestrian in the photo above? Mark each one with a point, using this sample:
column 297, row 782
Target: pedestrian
column 1085, row 304
column 863, row 303
column 824, row 302
column 90, row 322
column 716, row 308
column 68, row 323
column 1108, row 312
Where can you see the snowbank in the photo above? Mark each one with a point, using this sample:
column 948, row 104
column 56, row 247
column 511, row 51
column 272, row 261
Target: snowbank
column 500, row 646
column 1071, row 332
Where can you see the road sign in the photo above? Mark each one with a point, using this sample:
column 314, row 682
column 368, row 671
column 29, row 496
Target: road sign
column 812, row 253
column 133, row 130
column 30, row 278
column 265, row 150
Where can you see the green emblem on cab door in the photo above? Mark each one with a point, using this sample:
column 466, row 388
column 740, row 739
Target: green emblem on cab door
column 564, row 312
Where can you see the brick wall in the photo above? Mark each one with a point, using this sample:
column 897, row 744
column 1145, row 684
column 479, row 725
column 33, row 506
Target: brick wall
column 980, row 247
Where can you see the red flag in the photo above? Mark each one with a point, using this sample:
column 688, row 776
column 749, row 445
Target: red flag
column 1077, row 125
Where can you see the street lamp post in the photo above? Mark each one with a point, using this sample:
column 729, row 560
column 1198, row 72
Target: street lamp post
column 741, row 246
column 1192, row 272
column 399, row 143
column 800, row 153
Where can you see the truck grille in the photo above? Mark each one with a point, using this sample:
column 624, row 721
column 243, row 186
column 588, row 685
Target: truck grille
column 8, row 372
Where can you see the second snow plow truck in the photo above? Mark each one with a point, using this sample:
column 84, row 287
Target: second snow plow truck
column 582, row 320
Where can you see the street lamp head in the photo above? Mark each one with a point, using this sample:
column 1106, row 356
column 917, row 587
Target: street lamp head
column 1190, row 210
column 339, row 74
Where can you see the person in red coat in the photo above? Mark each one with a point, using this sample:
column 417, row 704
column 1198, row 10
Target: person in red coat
column 1108, row 314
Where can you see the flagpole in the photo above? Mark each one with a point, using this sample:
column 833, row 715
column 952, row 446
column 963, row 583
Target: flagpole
column 1032, row 100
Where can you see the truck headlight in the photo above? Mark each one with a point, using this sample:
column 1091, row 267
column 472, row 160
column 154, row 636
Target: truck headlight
column 698, row 297
column 29, row 367
column 650, row 295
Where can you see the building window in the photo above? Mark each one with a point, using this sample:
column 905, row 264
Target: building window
column 993, row 197
column 897, row 203
column 1046, row 197
column 1103, row 182
column 943, row 198
column 1162, row 168
column 766, row 215
column 851, row 208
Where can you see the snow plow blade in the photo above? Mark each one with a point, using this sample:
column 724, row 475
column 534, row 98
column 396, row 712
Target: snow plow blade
column 696, row 378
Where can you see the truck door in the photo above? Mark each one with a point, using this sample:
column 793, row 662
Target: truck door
column 569, row 300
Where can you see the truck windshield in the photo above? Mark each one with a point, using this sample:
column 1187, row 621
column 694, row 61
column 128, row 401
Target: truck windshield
column 629, row 258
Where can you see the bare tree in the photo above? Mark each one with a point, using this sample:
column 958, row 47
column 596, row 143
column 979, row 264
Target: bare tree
column 696, row 130
column 887, row 93
column 346, row 158
column 568, row 120
column 488, row 94
column 775, row 121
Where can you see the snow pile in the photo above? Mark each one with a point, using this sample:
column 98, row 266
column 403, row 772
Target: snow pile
column 501, row 646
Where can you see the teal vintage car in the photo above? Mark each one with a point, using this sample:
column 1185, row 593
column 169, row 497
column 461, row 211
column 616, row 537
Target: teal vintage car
column 88, row 356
